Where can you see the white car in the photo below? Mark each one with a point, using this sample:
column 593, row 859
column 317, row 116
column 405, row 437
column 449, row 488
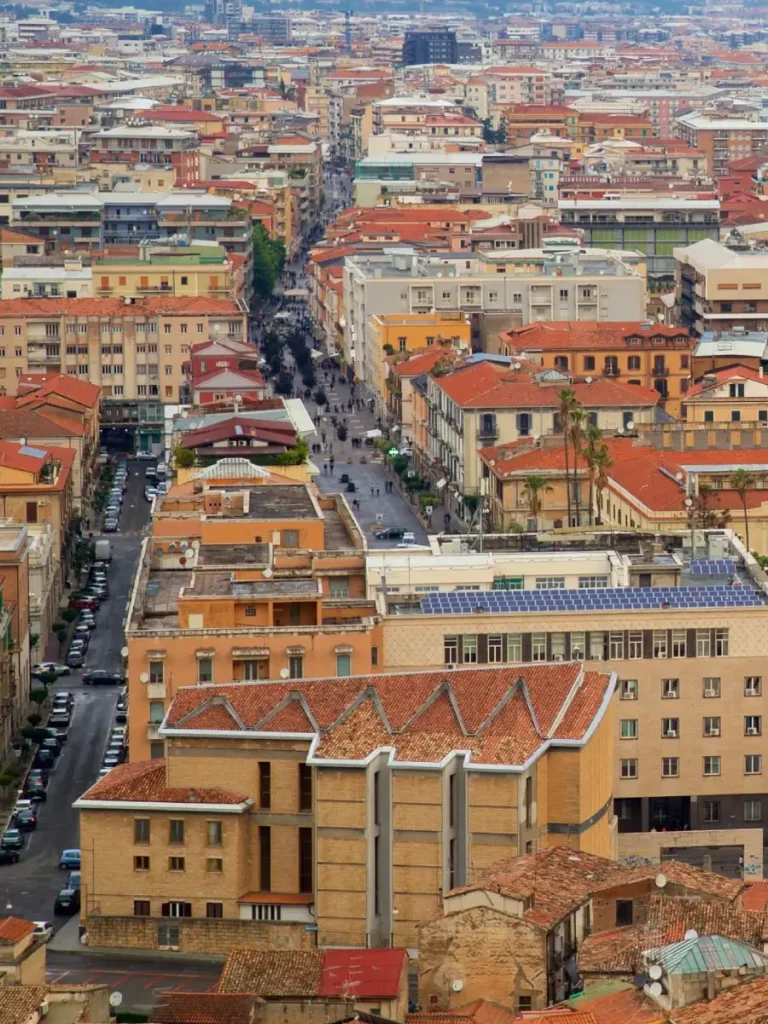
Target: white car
column 43, row 931
column 145, row 455
column 49, row 666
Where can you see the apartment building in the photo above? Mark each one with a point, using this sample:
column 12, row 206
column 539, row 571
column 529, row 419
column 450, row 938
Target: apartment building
column 735, row 395
column 54, row 154
column 408, row 115
column 201, row 270
column 496, row 289
column 655, row 224
column 719, row 288
column 251, row 577
column 358, row 804
column 14, row 632
column 644, row 353
column 680, row 636
column 171, row 148
column 723, row 139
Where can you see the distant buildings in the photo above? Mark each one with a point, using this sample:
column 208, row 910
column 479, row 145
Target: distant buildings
column 430, row 48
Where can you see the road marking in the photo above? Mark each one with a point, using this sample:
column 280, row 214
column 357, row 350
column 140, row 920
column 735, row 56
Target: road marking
column 57, row 979
column 153, row 979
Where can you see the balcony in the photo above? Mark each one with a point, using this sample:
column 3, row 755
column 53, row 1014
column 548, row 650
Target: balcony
column 660, row 371
column 611, row 371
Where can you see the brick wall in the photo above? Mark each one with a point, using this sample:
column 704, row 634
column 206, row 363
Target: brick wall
column 417, row 851
column 197, row 935
column 341, row 856
column 492, row 804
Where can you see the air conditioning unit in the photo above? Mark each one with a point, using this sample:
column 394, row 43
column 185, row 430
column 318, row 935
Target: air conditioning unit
column 751, row 692
column 752, row 731
column 451, row 664
column 710, row 693
column 557, row 657
column 714, row 731
column 596, row 657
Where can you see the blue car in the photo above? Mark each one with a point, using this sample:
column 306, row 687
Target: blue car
column 70, row 859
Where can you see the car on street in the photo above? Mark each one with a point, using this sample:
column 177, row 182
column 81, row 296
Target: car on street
column 67, row 902
column 150, row 493
column 51, row 744
column 70, row 859
column 12, row 840
column 49, row 666
column 145, row 455
column 86, row 618
column 44, row 759
column 9, row 856
column 36, row 791
column 76, row 658
column 26, row 820
column 43, row 931
column 100, row 677
column 389, row 533
column 64, row 697
column 110, row 526
column 81, row 601
column 82, row 630
column 110, row 761
column 73, row 882
column 60, row 719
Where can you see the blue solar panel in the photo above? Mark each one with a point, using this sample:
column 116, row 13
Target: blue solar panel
column 602, row 599
column 712, row 566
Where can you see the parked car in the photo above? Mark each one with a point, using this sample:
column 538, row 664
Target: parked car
column 121, row 715
column 12, row 840
column 44, row 759
column 76, row 658
column 64, row 697
column 36, row 791
column 73, row 882
column 60, row 719
column 67, row 902
column 43, row 931
column 389, row 533
column 145, row 455
column 9, row 856
column 26, row 820
column 51, row 744
column 110, row 526
column 110, row 761
column 49, row 666
column 150, row 493
column 81, row 601
column 100, row 676
column 70, row 859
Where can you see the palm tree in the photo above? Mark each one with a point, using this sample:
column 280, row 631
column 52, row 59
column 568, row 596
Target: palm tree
column 603, row 463
column 743, row 481
column 578, row 419
column 568, row 402
column 593, row 437
column 535, row 486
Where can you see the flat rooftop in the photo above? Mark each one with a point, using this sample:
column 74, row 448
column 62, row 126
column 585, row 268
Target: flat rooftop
column 212, row 555
column 217, row 583
column 278, row 502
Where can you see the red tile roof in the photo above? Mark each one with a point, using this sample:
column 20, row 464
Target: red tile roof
column 80, row 391
column 550, row 335
column 623, row 1005
column 481, row 1011
column 362, row 973
column 144, row 782
column 719, row 377
column 745, row 1004
column 424, row 360
column 159, row 305
column 356, row 974
column 755, row 896
column 241, row 428
column 14, row 929
column 502, row 716
column 205, row 1008
column 12, row 457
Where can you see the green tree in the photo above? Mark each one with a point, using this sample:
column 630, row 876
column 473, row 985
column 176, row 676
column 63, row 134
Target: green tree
column 535, row 486
column 321, row 398
column 184, row 457
column 284, row 385
column 578, row 420
column 706, row 512
column 603, row 463
column 47, row 678
column 742, row 481
column 34, row 720
column 592, row 439
column 38, row 696
column 268, row 260
column 568, row 403
column 68, row 614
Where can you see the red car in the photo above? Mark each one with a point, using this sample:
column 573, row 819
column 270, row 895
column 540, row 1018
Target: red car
column 83, row 601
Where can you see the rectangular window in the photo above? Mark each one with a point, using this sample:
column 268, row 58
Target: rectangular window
column 450, row 649
column 670, row 728
column 141, row 908
column 711, row 686
column 495, row 648
column 213, row 833
column 712, row 765
column 265, row 785
column 660, row 643
column 338, row 586
column 670, row 767
column 141, row 863
column 635, row 645
column 250, row 611
column 721, row 643
column 753, row 764
column 557, row 646
column 593, row 582
column 629, row 768
column 597, row 646
column 753, row 686
column 753, row 725
column 305, row 860
column 678, row 643
column 703, row 643
column 711, row 811
column 296, row 666
column 176, row 864
column 156, row 712
column 550, row 582
column 214, row 910
column 156, row 671
column 343, row 664
column 265, row 858
column 205, row 670
column 628, row 728
column 289, row 539
column 214, row 865
column 538, row 647
column 616, row 646
column 624, row 913
column 469, row 649
column 712, row 725
column 514, row 646
column 670, row 689
column 628, row 689
column 753, row 810
column 141, row 830
column 305, row 787
column 578, row 646
column 176, row 832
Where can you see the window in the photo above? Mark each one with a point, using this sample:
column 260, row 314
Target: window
column 711, row 686
column 175, row 908
column 624, row 912
column 343, row 664
column 703, row 643
column 597, row 645
column 721, row 643
column 265, row 785
column 141, row 863
column 628, row 689
column 550, row 582
column 753, row 764
column 712, row 725
column 753, row 686
column 213, row 829
column 31, row 511
column 156, row 712
column 205, row 670
column 557, row 646
column 296, row 666
column 633, row 363
column 514, row 647
column 670, row 728
column 753, row 725
column 141, row 908
column 635, row 644
column 592, row 582
column 338, row 586
column 524, row 1003
column 670, row 689
column 589, row 362
column 176, row 832
column 678, row 643
column 451, row 649
column 214, row 865
column 753, row 810
column 156, row 672
column 495, row 648
column 469, row 649
column 305, row 860
column 214, row 910
column 265, row 858
column 628, row 728
column 266, row 912
column 578, row 646
column 141, row 831
column 711, row 811
column 538, row 647
column 670, row 767
column 659, row 643
column 629, row 768
column 616, row 646
column 712, row 765
column 176, row 864
column 305, row 787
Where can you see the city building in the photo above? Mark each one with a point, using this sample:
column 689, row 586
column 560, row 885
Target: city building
column 171, row 148
column 14, row 619
column 430, row 48
column 719, row 288
column 722, row 138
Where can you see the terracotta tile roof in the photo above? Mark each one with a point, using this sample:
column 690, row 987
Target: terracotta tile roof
column 623, row 1005
column 481, row 1011
column 19, row 1002
column 362, row 973
column 755, row 896
column 424, row 360
column 679, row 873
column 585, row 335
column 31, row 424
column 240, row 428
column 9, row 236
column 745, row 1004
column 205, row 1008
column 277, row 973
column 501, row 715
column 12, row 456
column 80, row 391
column 144, row 782
column 154, row 305
column 719, row 377
column 14, row 929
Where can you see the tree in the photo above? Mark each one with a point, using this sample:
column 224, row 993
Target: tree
column 47, row 678
column 742, row 481
column 68, row 614
column 321, row 398
column 603, row 463
column 284, row 385
column 38, row 696
column 184, row 457
column 705, row 512
column 578, row 419
column 568, row 402
column 268, row 260
column 34, row 720
column 501, row 131
column 592, row 439
column 342, row 433
column 535, row 486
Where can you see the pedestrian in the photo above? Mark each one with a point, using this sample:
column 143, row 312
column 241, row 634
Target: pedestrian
column 371, row 488
column 325, row 467
column 377, row 492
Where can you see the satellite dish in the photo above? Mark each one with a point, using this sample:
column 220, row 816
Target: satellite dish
column 115, row 998
column 655, row 990
column 268, row 573
column 124, row 652
column 691, row 934
column 172, row 546
column 457, row 985
column 284, row 673
column 655, row 972
column 661, row 880
column 631, row 425
column 619, row 430
column 144, row 677
column 588, row 380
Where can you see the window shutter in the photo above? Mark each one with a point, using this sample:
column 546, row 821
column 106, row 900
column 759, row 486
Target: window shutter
column 690, row 643
column 482, row 649
column 526, row 646
column 165, row 910
column 647, row 643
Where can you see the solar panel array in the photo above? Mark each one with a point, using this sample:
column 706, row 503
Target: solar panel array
column 607, row 599
column 712, row 566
